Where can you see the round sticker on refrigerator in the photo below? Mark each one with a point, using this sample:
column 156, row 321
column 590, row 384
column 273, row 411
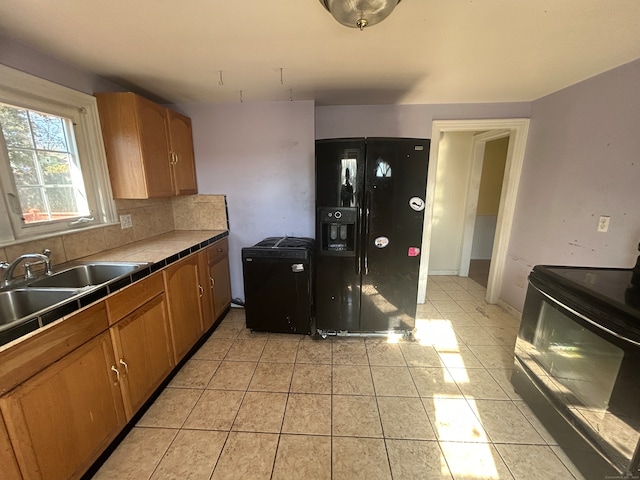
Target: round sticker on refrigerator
column 381, row 242
column 416, row 203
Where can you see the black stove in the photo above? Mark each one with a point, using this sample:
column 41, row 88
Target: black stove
column 611, row 286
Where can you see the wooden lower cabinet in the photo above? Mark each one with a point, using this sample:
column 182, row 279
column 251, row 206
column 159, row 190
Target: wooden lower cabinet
column 71, row 390
column 183, row 289
column 213, row 263
column 10, row 470
column 208, row 317
column 61, row 419
column 221, row 286
column 144, row 354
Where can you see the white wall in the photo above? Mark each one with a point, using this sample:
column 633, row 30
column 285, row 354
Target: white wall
column 452, row 180
column 582, row 161
column 261, row 155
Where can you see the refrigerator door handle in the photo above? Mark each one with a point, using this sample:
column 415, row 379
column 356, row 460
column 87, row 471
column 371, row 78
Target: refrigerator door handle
column 358, row 241
column 367, row 225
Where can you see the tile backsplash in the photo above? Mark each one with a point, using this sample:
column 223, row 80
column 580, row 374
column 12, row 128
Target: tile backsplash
column 150, row 218
column 200, row 212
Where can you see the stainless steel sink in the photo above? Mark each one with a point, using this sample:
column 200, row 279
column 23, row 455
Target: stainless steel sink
column 22, row 302
column 84, row 275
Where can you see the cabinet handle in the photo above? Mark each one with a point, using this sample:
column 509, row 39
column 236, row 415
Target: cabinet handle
column 213, row 282
column 201, row 290
column 124, row 364
column 114, row 369
column 177, row 158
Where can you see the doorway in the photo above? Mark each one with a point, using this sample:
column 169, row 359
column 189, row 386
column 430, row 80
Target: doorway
column 516, row 130
column 488, row 162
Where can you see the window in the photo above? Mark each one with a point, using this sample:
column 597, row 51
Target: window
column 53, row 173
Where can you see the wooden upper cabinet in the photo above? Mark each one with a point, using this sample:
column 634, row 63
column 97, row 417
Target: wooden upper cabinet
column 149, row 147
column 181, row 140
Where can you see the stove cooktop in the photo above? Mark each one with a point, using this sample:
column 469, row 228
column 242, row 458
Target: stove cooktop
column 611, row 285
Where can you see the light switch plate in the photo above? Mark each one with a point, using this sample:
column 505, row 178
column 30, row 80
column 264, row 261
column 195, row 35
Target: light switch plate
column 603, row 223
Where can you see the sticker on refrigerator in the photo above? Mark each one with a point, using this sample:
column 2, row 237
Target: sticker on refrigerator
column 413, row 252
column 417, row 204
column 381, row 242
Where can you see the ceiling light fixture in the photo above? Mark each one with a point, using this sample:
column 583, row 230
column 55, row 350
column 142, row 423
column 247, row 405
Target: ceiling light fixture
column 360, row 13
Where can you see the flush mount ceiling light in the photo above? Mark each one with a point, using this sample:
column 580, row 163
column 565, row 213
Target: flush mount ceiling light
column 360, row 13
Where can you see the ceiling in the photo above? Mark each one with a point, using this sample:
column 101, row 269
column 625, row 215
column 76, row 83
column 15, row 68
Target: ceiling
column 427, row 51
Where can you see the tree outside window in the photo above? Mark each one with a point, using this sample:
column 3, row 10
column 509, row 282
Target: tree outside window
column 44, row 163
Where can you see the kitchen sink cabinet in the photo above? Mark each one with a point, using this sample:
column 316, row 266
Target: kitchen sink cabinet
column 142, row 343
column 182, row 286
column 7, row 457
column 149, row 147
column 61, row 419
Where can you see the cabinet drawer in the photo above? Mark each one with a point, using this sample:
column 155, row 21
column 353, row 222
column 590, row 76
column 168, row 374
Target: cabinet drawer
column 218, row 250
column 123, row 303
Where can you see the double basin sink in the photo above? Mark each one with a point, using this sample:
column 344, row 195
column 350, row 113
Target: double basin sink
column 29, row 298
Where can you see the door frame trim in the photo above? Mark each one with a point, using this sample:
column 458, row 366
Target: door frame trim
column 518, row 131
column 473, row 191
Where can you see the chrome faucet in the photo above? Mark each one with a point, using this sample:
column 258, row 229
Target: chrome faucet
column 42, row 258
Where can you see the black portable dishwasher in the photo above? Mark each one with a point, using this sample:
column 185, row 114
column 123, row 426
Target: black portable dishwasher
column 278, row 285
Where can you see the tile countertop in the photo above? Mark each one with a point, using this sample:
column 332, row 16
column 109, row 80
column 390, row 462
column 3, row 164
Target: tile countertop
column 157, row 252
column 162, row 248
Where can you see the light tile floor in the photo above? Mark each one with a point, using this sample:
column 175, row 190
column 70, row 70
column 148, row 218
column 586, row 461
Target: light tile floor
column 271, row 406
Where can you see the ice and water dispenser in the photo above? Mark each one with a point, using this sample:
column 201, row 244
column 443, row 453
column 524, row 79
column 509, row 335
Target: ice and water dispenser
column 338, row 230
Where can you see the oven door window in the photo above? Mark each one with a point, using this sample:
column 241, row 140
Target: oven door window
column 584, row 364
column 585, row 372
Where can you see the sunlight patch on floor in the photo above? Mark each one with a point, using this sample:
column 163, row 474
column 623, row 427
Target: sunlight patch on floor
column 464, row 442
column 437, row 332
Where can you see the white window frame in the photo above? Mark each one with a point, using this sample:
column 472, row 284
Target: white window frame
column 24, row 90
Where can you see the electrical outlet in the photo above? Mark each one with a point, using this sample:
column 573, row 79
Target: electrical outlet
column 125, row 221
column 603, row 223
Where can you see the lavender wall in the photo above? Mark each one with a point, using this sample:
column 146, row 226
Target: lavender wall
column 261, row 155
column 405, row 120
column 582, row 161
column 27, row 59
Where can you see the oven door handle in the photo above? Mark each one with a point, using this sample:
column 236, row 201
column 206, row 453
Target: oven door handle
column 586, row 319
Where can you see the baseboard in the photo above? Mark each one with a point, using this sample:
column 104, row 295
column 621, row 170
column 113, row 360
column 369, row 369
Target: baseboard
column 512, row 311
column 444, row 272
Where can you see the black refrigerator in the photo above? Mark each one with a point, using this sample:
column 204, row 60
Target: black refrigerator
column 370, row 200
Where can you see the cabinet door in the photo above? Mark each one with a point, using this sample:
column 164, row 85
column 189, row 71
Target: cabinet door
column 61, row 419
column 181, row 141
column 221, row 286
column 183, row 297
column 208, row 317
column 142, row 342
column 154, row 143
column 8, row 461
